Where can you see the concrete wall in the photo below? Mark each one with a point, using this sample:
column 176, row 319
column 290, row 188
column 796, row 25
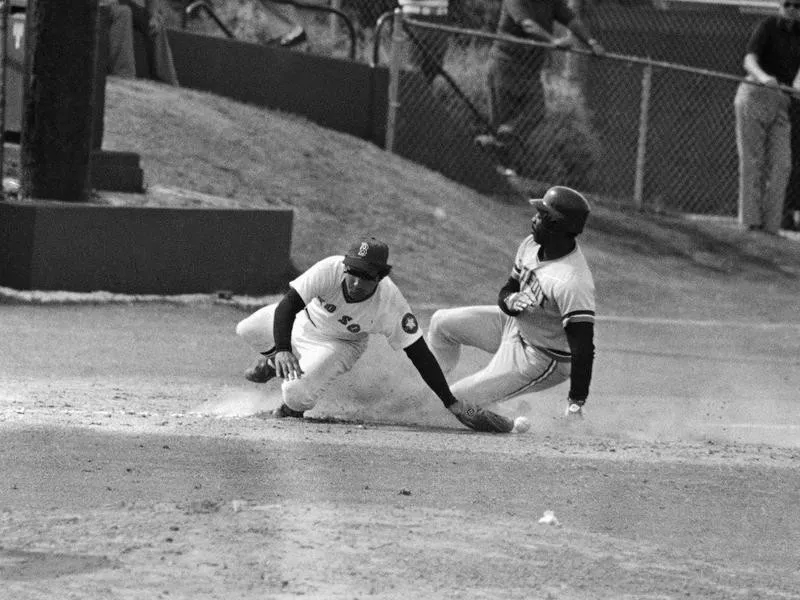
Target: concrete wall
column 134, row 250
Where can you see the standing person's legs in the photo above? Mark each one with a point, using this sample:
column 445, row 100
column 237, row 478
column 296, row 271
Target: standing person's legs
column 530, row 113
column 791, row 210
column 428, row 47
column 121, row 57
column 757, row 108
column 505, row 98
column 780, row 164
column 162, row 65
column 753, row 111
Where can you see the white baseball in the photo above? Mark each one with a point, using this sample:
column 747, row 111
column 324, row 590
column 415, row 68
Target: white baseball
column 521, row 425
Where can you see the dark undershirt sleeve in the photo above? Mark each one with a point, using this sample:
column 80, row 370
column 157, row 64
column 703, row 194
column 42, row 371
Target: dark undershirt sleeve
column 282, row 324
column 428, row 367
column 581, row 343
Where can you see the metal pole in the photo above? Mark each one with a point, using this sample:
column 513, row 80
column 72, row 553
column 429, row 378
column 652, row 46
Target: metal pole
column 398, row 52
column 3, row 85
column 641, row 146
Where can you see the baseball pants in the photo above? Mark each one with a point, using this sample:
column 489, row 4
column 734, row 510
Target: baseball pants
column 515, row 368
column 763, row 140
column 321, row 357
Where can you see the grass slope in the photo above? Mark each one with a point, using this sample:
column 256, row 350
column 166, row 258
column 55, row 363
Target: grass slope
column 449, row 244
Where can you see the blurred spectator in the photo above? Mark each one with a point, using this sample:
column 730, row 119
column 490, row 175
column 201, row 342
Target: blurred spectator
column 283, row 25
column 516, row 94
column 763, row 130
column 791, row 209
column 427, row 47
column 145, row 18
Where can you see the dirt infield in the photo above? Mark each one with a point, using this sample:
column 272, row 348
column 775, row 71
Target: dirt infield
column 135, row 465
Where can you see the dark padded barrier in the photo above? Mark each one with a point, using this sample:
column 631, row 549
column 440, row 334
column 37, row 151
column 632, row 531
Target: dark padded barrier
column 338, row 94
column 136, row 250
column 331, row 92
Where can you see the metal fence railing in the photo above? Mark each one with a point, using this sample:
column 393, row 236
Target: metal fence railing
column 651, row 123
column 707, row 35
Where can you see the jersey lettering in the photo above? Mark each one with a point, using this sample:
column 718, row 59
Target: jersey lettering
column 329, row 307
column 351, row 327
column 528, row 279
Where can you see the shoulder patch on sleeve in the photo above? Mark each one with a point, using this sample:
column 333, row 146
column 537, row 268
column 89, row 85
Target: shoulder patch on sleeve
column 409, row 323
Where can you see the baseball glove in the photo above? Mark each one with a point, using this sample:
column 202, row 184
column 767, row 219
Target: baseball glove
column 483, row 420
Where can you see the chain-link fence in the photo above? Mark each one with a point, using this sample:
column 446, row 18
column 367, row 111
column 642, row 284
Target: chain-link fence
column 651, row 123
column 704, row 34
column 639, row 131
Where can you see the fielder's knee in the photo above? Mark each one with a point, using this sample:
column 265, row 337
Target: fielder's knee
column 242, row 328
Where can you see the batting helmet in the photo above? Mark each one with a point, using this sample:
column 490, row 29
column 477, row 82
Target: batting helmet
column 566, row 208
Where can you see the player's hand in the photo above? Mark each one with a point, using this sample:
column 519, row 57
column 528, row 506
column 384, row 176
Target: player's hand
column 519, row 301
column 574, row 411
column 287, row 366
column 770, row 81
column 564, row 42
column 596, row 47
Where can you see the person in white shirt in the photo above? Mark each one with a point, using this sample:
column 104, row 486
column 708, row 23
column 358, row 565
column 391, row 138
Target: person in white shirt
column 321, row 327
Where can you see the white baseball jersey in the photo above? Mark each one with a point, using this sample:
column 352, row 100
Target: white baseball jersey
column 563, row 290
column 385, row 312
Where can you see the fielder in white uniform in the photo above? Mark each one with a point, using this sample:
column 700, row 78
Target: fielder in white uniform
column 321, row 327
column 541, row 332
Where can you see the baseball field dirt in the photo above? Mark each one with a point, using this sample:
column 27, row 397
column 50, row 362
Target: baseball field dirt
column 137, row 463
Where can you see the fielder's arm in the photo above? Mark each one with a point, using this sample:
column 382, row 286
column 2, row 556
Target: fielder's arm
column 428, row 367
column 286, row 363
column 477, row 419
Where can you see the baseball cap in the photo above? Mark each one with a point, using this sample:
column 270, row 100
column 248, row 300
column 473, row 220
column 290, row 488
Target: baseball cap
column 567, row 208
column 368, row 255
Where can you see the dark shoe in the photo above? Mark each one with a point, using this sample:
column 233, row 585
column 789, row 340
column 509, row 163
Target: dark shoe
column 294, row 37
column 284, row 411
column 261, row 372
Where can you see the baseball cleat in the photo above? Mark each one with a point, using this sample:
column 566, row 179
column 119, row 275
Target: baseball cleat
column 284, row 411
column 574, row 411
column 261, row 372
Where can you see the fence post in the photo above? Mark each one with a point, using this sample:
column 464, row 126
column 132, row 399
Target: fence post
column 4, row 11
column 395, row 63
column 641, row 146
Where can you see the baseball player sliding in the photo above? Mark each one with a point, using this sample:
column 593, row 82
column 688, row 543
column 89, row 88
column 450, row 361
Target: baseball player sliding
column 541, row 332
column 321, row 327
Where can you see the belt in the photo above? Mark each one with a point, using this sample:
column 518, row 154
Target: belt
column 425, row 10
column 557, row 355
